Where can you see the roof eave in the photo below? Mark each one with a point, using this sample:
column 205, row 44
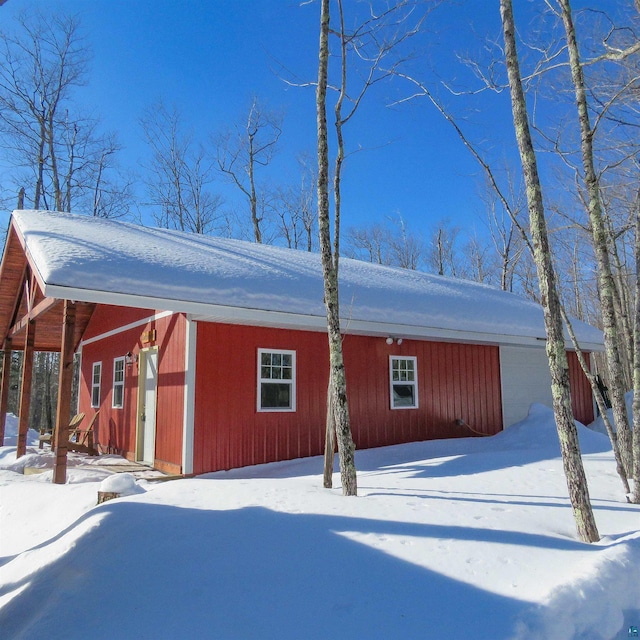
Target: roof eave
column 261, row 317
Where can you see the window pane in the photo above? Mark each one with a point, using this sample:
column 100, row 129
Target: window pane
column 275, row 396
column 410, row 370
column 118, row 370
column 403, row 395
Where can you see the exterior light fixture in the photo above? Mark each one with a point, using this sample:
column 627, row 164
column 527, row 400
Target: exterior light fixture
column 129, row 358
column 389, row 340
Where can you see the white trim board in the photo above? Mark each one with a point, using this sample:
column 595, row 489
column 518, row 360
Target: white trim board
column 188, row 424
column 126, row 327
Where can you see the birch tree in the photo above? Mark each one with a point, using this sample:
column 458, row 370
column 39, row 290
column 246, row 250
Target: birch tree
column 373, row 45
column 338, row 407
column 566, row 426
column 636, row 366
column 606, row 283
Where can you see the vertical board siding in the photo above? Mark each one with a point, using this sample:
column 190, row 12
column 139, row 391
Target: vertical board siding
column 116, row 428
column 171, row 343
column 455, row 382
column 581, row 395
column 229, row 430
column 108, row 317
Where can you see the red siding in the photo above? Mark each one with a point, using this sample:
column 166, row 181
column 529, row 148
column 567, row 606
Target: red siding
column 581, row 395
column 456, row 382
column 116, row 428
column 107, row 317
column 229, row 431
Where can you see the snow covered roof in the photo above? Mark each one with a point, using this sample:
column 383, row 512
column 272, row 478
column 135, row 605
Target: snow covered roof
column 106, row 261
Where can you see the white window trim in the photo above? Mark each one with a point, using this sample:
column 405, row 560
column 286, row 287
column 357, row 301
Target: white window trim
column 413, row 383
column 95, row 385
column 118, row 383
column 291, row 382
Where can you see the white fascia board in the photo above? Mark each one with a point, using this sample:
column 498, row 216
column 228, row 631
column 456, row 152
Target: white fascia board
column 200, row 311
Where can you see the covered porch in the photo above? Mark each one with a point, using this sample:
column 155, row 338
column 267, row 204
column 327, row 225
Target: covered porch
column 31, row 322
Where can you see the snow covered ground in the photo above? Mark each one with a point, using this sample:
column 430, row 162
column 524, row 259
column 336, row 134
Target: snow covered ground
column 470, row 538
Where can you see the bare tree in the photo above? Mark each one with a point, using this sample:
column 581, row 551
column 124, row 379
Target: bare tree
column 478, row 260
column 108, row 196
column 244, row 149
column 369, row 243
column 606, row 283
column 373, row 48
column 295, row 214
column 64, row 161
column 556, row 351
column 42, row 64
column 636, row 365
column 506, row 237
column 407, row 249
column 338, row 407
column 179, row 175
column 390, row 243
column 442, row 252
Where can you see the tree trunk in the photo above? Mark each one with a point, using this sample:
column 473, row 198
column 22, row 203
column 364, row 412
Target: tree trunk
column 606, row 284
column 565, row 423
column 330, row 442
column 39, row 187
column 346, row 447
column 253, row 197
column 602, row 407
column 635, row 497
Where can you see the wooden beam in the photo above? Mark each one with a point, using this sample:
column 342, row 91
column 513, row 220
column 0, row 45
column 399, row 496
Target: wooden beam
column 65, row 381
column 20, row 293
column 25, row 389
column 28, row 296
column 42, row 307
column 4, row 387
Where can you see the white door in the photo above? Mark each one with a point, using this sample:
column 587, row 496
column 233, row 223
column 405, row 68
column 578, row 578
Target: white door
column 148, row 414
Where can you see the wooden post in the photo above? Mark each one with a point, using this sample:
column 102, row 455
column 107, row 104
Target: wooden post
column 25, row 389
column 4, row 387
column 65, row 382
column 103, row 496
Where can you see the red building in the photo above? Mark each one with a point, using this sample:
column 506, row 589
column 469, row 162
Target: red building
column 205, row 353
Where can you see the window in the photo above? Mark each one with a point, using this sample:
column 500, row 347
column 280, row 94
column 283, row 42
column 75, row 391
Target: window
column 403, row 380
column 276, row 380
column 95, row 384
column 118, row 383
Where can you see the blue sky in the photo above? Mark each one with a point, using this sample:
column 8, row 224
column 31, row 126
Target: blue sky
column 210, row 57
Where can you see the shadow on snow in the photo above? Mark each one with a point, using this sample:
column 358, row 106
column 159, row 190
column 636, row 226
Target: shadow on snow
column 151, row 571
